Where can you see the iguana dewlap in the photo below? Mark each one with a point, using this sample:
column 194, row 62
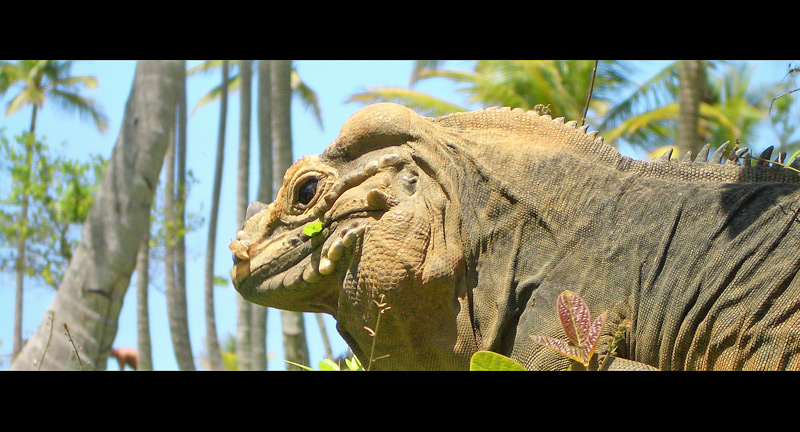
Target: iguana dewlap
column 467, row 228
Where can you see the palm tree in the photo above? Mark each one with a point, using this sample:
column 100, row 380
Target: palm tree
column 561, row 86
column 727, row 108
column 692, row 82
column 264, row 193
column 175, row 290
column 89, row 298
column 243, row 307
column 212, row 339
column 40, row 80
column 143, row 344
column 295, row 346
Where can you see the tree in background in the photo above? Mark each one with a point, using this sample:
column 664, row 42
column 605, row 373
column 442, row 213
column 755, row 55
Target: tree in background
column 212, row 340
column 264, row 193
column 174, row 224
column 60, row 193
column 560, row 85
column 783, row 115
column 251, row 319
column 143, row 343
column 295, row 346
column 39, row 80
column 243, row 307
column 728, row 108
column 87, row 304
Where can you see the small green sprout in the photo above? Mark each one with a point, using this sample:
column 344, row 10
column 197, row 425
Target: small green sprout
column 312, row 228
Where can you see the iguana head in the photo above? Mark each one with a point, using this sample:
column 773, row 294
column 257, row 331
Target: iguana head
column 364, row 226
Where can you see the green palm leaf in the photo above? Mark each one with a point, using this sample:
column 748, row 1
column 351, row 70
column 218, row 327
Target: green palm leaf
column 423, row 103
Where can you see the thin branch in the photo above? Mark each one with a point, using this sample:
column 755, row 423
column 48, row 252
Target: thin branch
column 66, row 327
column 47, row 346
column 589, row 96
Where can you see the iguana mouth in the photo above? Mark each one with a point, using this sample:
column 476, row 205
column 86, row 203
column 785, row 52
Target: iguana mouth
column 298, row 258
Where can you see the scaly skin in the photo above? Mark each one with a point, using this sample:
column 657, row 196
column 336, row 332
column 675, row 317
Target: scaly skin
column 469, row 226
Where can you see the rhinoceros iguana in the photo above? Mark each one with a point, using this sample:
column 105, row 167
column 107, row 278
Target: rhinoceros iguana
column 470, row 225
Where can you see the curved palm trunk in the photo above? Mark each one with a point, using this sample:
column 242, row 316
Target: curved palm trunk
column 90, row 297
column 295, row 346
column 212, row 340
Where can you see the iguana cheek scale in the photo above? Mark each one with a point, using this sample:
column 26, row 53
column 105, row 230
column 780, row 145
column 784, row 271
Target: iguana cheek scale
column 469, row 226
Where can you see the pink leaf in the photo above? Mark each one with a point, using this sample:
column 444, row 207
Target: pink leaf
column 593, row 336
column 574, row 316
column 560, row 346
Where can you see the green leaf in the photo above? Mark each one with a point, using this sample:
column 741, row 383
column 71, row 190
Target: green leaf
column 353, row 364
column 299, row 365
column 312, row 228
column 328, row 365
column 492, row 361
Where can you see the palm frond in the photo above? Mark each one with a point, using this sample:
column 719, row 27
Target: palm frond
column 214, row 94
column 659, row 90
column 207, row 67
column 307, row 96
column 422, row 68
column 23, row 99
column 422, row 103
column 648, row 129
column 85, row 107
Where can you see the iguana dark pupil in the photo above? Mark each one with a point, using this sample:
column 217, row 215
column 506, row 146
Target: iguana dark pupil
column 307, row 192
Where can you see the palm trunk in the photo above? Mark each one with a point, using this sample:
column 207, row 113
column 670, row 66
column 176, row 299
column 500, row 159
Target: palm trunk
column 176, row 300
column 180, row 200
column 21, row 240
column 142, row 306
column 295, row 346
column 243, row 307
column 212, row 340
column 90, row 296
column 689, row 98
column 326, row 342
column 258, row 319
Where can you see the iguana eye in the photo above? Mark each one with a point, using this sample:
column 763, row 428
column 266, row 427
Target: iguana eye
column 307, row 191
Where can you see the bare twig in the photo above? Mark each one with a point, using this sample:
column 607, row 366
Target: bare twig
column 589, row 96
column 778, row 97
column 382, row 307
column 791, row 72
column 66, row 327
column 46, row 347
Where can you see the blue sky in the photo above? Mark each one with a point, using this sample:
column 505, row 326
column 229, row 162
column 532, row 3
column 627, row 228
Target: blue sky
column 334, row 82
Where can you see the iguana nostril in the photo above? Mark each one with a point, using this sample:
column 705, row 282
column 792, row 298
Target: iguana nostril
column 254, row 208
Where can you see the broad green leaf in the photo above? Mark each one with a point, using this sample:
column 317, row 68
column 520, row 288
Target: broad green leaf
column 491, row 361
